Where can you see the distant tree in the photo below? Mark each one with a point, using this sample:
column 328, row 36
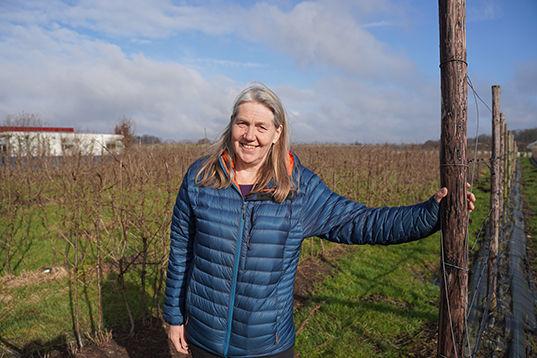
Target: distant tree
column 125, row 127
column 23, row 119
column 525, row 137
column 431, row 144
column 148, row 139
column 204, row 141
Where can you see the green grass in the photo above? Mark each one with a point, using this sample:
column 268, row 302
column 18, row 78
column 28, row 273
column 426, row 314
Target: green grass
column 39, row 314
column 529, row 193
column 37, row 242
column 379, row 299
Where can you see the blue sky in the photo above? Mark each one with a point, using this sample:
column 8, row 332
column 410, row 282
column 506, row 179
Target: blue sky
column 361, row 70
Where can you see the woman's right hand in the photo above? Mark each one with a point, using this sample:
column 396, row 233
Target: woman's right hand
column 176, row 334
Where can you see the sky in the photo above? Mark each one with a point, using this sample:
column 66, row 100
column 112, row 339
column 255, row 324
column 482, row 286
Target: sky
column 346, row 71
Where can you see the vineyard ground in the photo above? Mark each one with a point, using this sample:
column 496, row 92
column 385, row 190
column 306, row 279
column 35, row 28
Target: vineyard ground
column 355, row 301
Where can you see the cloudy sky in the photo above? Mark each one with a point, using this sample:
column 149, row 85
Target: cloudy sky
column 360, row 70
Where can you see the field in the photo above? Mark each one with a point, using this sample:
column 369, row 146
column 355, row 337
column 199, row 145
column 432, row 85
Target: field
column 84, row 248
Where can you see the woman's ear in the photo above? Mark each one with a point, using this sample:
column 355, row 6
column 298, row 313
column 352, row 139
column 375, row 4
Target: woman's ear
column 277, row 135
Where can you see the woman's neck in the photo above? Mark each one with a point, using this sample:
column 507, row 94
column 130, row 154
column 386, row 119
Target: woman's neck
column 246, row 175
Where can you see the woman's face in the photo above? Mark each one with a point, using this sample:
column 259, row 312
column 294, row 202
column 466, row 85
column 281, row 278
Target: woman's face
column 252, row 134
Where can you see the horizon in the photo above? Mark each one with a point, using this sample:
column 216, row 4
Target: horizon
column 346, row 71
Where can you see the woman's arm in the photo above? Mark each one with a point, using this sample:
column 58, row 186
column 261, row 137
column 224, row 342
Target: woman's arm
column 181, row 240
column 336, row 218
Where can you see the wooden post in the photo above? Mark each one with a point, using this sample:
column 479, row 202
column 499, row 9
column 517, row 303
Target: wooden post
column 502, row 166
column 453, row 173
column 495, row 185
column 508, row 165
column 514, row 154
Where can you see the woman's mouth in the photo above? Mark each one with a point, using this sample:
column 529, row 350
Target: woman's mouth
column 248, row 147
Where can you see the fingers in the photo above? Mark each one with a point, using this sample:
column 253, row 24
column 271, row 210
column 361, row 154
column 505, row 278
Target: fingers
column 471, row 201
column 176, row 335
column 184, row 345
column 440, row 194
column 178, row 345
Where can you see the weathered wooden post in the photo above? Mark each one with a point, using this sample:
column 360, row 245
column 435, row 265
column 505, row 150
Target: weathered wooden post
column 495, row 184
column 502, row 167
column 514, row 155
column 453, row 172
column 505, row 173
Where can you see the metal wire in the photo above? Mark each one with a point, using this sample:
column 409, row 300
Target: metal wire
column 444, row 263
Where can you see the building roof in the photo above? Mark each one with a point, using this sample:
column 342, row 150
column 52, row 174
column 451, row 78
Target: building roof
column 36, row 129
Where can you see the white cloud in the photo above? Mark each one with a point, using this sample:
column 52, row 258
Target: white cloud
column 520, row 97
column 316, row 33
column 313, row 33
column 484, row 10
column 75, row 81
column 336, row 110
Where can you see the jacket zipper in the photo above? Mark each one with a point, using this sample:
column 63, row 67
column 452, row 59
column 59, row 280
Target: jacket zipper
column 249, row 236
column 234, row 278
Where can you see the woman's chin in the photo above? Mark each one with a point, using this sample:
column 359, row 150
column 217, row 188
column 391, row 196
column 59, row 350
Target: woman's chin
column 247, row 159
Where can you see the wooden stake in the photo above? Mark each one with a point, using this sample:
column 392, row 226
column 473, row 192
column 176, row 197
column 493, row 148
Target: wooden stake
column 453, row 173
column 495, row 195
column 502, row 167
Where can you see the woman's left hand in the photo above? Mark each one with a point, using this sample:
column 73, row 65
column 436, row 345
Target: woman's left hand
column 469, row 196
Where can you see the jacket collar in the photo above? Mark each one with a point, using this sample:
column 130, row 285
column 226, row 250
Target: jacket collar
column 228, row 165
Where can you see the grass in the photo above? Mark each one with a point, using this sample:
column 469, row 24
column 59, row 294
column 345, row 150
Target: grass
column 529, row 194
column 380, row 298
column 44, row 317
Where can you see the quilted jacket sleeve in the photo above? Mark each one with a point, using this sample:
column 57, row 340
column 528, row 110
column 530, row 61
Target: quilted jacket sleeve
column 336, row 218
column 181, row 240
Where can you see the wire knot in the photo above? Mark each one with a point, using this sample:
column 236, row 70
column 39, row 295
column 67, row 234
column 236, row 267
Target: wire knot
column 453, row 60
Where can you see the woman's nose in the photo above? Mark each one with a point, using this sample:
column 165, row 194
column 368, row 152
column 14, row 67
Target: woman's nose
column 250, row 133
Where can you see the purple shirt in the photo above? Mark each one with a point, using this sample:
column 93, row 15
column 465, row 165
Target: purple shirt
column 246, row 189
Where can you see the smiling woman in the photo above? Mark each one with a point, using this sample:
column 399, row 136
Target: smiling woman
column 238, row 224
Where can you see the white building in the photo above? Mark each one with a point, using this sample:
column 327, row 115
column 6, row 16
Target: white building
column 533, row 148
column 56, row 141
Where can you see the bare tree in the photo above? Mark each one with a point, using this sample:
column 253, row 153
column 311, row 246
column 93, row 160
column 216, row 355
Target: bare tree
column 125, row 127
column 24, row 119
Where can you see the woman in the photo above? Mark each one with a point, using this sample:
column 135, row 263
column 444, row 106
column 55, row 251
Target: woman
column 238, row 224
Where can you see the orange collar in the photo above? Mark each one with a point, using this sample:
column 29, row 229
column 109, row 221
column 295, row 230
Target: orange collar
column 229, row 164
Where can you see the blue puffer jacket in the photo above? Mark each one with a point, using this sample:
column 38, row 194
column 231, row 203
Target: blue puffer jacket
column 233, row 259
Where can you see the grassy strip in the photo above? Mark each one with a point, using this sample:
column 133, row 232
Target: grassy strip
column 529, row 194
column 379, row 299
column 38, row 315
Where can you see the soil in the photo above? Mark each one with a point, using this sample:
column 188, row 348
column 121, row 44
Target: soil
column 150, row 339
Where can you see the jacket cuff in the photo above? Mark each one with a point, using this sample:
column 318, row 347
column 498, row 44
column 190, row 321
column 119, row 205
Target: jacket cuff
column 173, row 320
column 433, row 207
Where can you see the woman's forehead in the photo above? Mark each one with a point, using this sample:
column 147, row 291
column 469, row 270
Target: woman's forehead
column 253, row 111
